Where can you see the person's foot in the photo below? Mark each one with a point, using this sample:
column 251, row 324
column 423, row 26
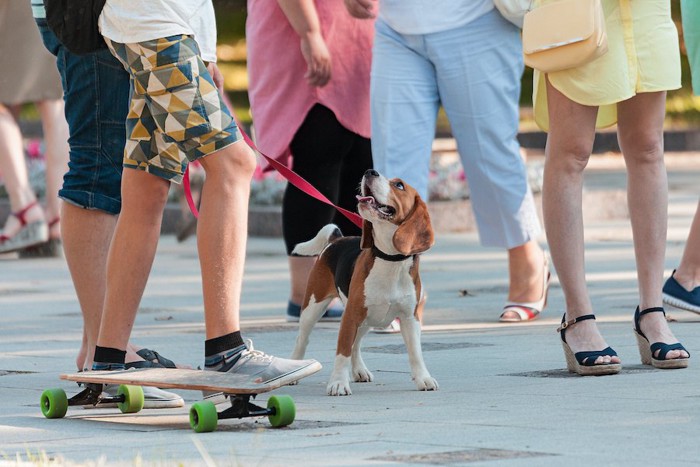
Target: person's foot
column 682, row 292
column 585, row 337
column 529, row 283
column 392, row 328
column 333, row 313
column 135, row 358
column 186, row 227
column 24, row 228
column 150, row 359
column 261, row 368
column 655, row 328
column 153, row 398
column 52, row 248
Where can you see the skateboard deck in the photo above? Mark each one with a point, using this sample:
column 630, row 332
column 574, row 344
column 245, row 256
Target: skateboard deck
column 238, row 389
column 175, row 378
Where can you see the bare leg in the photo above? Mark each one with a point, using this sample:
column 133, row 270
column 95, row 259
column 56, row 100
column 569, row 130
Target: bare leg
column 14, row 172
column 56, row 137
column 299, row 269
column 688, row 272
column 131, row 254
column 525, row 263
column 569, row 146
column 86, row 238
column 640, row 131
column 222, row 232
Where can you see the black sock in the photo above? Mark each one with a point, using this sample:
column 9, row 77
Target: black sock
column 222, row 343
column 107, row 358
column 223, row 351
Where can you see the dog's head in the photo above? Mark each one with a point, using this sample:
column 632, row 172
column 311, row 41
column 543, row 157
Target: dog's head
column 395, row 217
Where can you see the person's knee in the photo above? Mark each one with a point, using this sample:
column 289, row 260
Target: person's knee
column 643, row 149
column 233, row 164
column 571, row 154
column 144, row 192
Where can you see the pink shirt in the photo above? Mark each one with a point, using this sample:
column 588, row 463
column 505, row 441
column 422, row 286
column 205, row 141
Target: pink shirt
column 280, row 96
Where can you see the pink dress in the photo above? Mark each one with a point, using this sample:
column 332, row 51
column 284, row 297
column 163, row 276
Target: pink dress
column 280, row 96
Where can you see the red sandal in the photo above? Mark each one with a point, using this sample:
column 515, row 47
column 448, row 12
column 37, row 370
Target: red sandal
column 52, row 248
column 29, row 234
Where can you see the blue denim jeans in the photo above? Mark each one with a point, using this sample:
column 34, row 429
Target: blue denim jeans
column 96, row 94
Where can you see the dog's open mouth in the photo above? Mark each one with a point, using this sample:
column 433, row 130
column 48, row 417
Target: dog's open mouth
column 383, row 210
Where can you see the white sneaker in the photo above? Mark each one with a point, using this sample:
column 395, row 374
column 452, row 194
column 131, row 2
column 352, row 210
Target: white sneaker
column 153, row 398
column 262, row 368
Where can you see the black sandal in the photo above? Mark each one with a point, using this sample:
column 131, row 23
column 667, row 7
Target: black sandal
column 152, row 359
column 584, row 363
column 647, row 351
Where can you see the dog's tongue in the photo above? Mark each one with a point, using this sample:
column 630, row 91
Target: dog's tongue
column 365, row 199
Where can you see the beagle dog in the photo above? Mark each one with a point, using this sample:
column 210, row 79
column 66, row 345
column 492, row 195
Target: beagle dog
column 375, row 276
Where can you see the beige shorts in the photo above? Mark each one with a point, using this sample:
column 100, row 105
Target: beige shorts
column 176, row 113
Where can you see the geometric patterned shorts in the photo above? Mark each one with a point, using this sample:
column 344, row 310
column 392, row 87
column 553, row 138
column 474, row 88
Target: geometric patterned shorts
column 176, row 114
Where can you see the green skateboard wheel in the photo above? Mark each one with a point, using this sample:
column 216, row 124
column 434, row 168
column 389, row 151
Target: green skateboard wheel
column 284, row 410
column 54, row 403
column 133, row 398
column 203, row 417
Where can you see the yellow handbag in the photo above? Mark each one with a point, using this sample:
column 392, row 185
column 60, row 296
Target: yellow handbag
column 564, row 34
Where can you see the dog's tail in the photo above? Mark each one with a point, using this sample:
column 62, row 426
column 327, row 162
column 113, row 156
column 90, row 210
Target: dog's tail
column 315, row 246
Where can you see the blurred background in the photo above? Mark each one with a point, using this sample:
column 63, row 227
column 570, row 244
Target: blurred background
column 683, row 110
column 447, row 178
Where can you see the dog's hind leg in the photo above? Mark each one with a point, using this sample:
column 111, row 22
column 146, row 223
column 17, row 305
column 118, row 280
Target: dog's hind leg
column 307, row 320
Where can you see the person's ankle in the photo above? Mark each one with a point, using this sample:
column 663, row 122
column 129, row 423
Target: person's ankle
column 108, row 358
column 224, row 360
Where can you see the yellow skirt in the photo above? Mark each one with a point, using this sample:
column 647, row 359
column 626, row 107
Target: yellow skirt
column 643, row 56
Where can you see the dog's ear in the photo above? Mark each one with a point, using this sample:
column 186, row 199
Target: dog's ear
column 367, row 237
column 415, row 234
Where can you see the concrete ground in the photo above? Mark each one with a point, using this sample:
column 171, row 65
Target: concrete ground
column 505, row 397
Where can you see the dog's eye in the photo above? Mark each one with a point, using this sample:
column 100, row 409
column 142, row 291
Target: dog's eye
column 399, row 185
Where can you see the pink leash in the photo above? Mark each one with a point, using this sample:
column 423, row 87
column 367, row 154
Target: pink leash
column 285, row 171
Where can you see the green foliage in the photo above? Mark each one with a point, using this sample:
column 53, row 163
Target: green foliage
column 230, row 19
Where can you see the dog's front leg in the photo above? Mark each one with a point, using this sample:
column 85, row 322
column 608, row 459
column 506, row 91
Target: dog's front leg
column 360, row 372
column 410, row 330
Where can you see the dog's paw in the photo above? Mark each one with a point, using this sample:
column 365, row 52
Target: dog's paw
column 338, row 388
column 362, row 375
column 426, row 383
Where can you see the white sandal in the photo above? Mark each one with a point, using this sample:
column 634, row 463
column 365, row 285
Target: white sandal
column 527, row 311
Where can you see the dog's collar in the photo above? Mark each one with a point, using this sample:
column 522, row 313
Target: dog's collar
column 381, row 255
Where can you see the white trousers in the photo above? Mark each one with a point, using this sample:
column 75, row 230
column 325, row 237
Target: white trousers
column 474, row 72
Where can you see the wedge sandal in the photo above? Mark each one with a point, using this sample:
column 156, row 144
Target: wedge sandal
column 647, row 351
column 583, row 363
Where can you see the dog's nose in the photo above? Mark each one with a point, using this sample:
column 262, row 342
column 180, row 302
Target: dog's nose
column 371, row 173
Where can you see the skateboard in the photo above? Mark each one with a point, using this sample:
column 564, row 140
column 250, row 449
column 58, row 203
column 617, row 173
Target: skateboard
column 204, row 416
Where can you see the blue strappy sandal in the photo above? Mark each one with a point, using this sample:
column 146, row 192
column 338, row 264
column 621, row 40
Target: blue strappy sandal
column 647, row 351
column 583, row 363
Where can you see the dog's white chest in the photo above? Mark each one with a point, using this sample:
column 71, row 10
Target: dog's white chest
column 389, row 291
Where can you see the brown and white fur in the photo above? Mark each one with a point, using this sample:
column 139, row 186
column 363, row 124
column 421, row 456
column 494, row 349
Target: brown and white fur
column 376, row 277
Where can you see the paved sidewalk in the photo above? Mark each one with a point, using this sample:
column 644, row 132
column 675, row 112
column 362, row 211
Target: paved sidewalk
column 504, row 399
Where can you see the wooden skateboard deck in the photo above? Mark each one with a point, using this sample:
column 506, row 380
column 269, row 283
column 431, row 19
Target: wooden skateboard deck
column 239, row 391
column 175, row 378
